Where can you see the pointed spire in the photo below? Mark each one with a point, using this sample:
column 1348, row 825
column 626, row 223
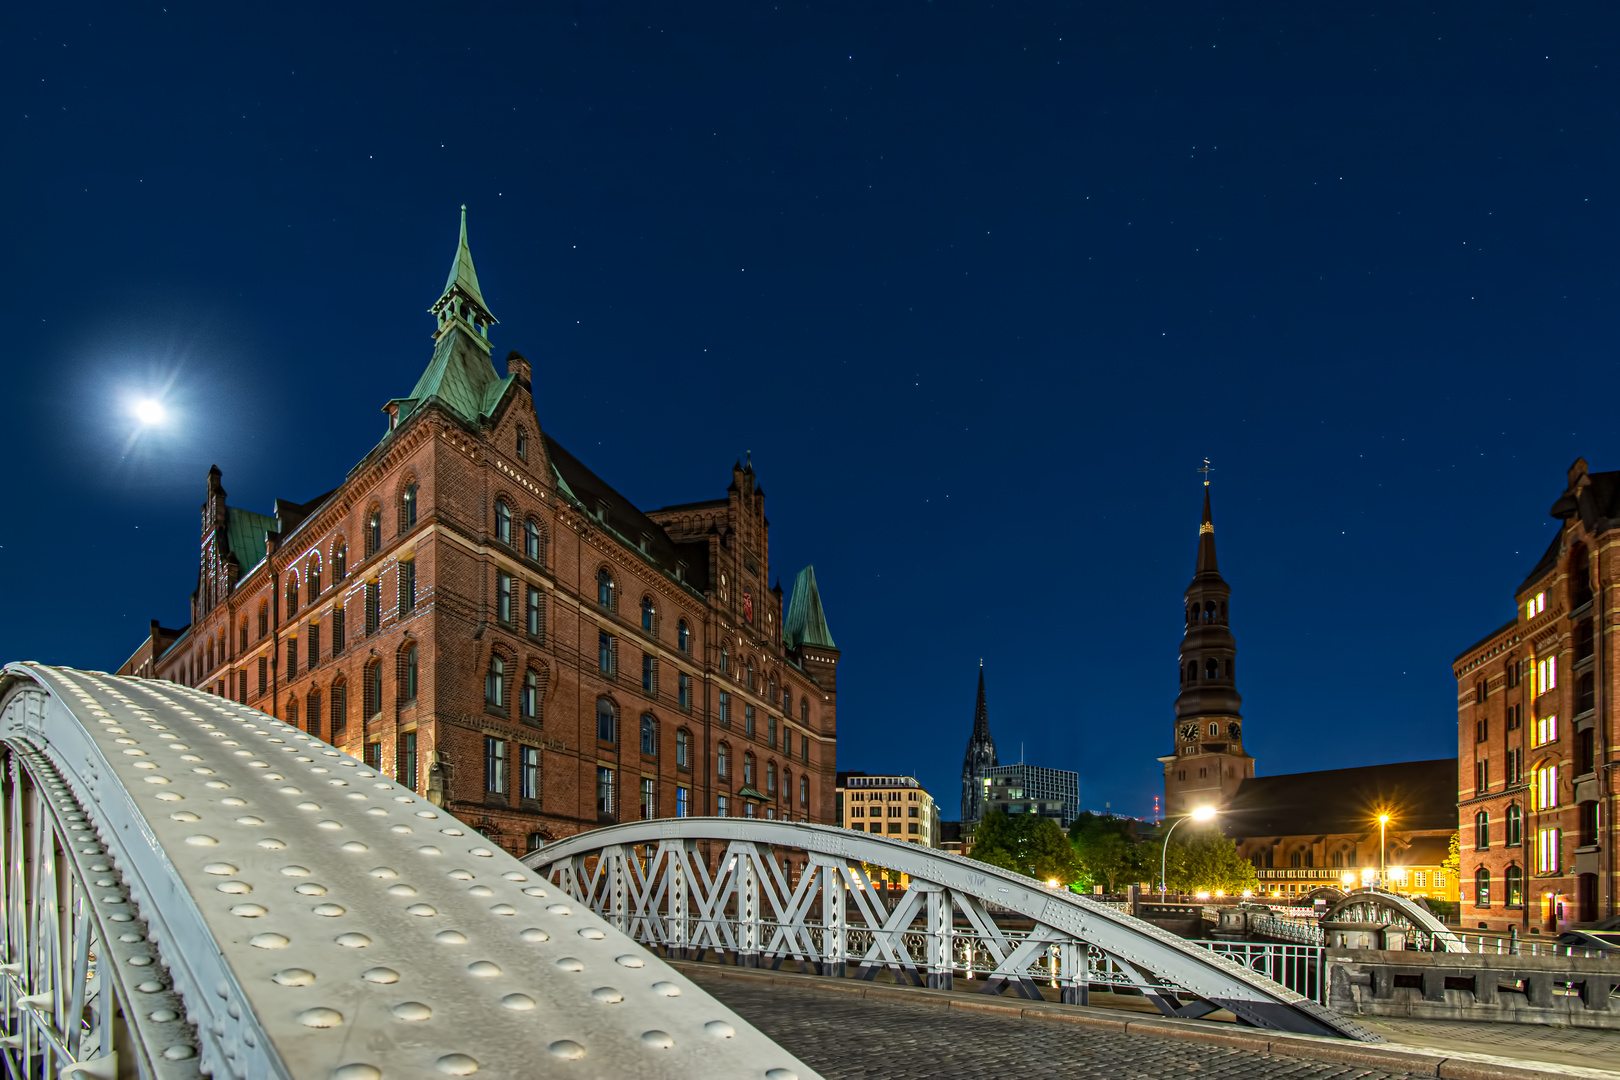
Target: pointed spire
column 1206, row 539
column 461, row 297
column 981, row 713
column 806, row 622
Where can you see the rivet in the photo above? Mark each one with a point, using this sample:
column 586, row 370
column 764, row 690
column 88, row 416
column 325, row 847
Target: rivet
column 458, row 1064
column 357, row 1071
column 352, row 941
column 502, row 909
column 353, row 847
column 309, row 888
column 570, row 963
column 658, row 1040
column 567, row 1049
column 163, row 1016
column 424, row 910
column 450, row 937
column 380, row 975
column 560, row 909
column 271, row 843
column 591, row 933
column 168, row 796
column 150, row 986
column 330, row 911
column 607, row 995
column 781, row 1074
column 328, row 824
column 234, row 887
column 517, row 1002
column 295, row 871
column 290, row 790
column 534, row 934
column 141, row 961
column 184, row 815
column 249, row 911
column 294, row 977
column 452, row 832
column 411, row 1010
column 480, row 890
column 224, row 869
column 720, row 1029
column 534, row 890
column 383, row 872
column 180, row 1052
column 401, row 890
column 460, row 875
column 426, row 814
column 630, row 961
column 483, row 969
column 269, row 941
column 513, row 875
column 320, row 1017
column 250, row 820
column 428, row 849
column 666, row 989
column 482, row 853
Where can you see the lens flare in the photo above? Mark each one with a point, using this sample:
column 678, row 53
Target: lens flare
column 148, row 411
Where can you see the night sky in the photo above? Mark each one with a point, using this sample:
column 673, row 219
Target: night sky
column 978, row 285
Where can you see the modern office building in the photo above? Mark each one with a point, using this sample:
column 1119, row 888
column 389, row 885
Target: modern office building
column 1033, row 789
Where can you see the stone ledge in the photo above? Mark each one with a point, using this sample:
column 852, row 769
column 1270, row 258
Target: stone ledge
column 1417, row 1060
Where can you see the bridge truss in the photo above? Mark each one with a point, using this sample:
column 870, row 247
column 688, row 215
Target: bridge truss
column 1378, row 907
column 191, row 887
column 765, row 892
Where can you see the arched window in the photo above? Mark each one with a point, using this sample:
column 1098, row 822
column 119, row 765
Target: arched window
column 804, row 791
column 314, row 712
column 407, row 507
column 750, row 673
column 1209, row 611
column 604, row 588
column 1192, row 614
column 407, row 689
column 1482, row 831
column 503, row 522
column 804, row 709
column 647, row 613
column 495, row 683
column 531, row 541
column 1515, row 826
column 373, row 690
column 373, row 531
column 1212, row 668
column 264, row 618
column 748, row 770
column 722, row 760
column 725, row 659
column 209, row 653
column 683, row 749
column 339, row 711
column 606, row 721
column 241, row 636
column 1482, row 887
column 312, row 578
column 770, row 778
column 683, row 636
column 292, row 593
column 530, row 703
column 292, row 711
column 340, row 562
column 1513, row 879
column 1192, row 671
column 649, row 736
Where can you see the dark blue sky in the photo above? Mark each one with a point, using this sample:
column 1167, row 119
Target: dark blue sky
column 978, row 285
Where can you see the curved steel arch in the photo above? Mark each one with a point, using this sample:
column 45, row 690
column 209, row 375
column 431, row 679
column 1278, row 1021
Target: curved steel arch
column 258, row 905
column 1377, row 905
column 670, row 895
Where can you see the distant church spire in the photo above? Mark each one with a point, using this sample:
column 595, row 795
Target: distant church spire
column 979, row 759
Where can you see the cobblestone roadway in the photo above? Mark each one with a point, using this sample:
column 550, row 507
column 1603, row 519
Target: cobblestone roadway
column 845, row 1037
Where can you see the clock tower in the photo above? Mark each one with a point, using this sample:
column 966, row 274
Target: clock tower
column 1208, row 761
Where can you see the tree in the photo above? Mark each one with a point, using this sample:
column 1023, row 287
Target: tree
column 1203, row 860
column 1453, row 862
column 1108, row 849
column 1026, row 844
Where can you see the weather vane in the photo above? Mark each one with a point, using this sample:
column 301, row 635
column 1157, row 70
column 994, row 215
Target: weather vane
column 1206, row 470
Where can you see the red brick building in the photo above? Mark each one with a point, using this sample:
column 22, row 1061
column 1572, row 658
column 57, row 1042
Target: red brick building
column 476, row 613
column 1536, row 730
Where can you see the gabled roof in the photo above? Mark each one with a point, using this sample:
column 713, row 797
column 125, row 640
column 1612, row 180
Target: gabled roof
column 245, row 534
column 1418, row 796
column 461, row 376
column 806, row 622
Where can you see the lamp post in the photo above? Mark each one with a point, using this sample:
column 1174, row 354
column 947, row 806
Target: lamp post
column 1383, row 820
column 1203, row 813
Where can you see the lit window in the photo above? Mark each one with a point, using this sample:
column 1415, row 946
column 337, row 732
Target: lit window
column 1420, row 879
column 1546, row 788
column 1546, row 674
column 1546, row 730
column 1548, row 845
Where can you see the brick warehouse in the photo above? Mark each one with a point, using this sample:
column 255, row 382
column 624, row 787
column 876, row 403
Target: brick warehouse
column 478, row 614
column 1536, row 730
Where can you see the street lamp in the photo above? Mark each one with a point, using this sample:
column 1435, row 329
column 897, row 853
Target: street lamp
column 1383, row 820
column 1203, row 813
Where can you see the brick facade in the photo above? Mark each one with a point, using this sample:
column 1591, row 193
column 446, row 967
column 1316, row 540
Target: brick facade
column 427, row 555
column 1536, row 731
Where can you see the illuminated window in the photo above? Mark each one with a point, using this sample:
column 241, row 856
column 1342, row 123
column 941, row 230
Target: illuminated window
column 1535, row 606
column 1545, row 788
column 1546, row 730
column 1546, row 674
column 1420, row 879
column 1482, row 888
column 1514, row 879
column 1548, row 846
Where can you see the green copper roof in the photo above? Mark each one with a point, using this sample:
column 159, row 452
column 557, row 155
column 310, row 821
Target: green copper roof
column 245, row 532
column 462, row 274
column 806, row 622
column 461, row 376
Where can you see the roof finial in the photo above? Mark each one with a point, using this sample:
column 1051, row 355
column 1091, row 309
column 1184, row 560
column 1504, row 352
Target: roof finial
column 981, row 661
column 1206, row 470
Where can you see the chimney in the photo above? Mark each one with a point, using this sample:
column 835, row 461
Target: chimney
column 517, row 367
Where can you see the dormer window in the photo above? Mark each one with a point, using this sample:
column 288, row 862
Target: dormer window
column 1535, row 606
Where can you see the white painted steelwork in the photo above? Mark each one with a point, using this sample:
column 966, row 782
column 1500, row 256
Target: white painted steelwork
column 694, row 886
column 1392, row 909
column 209, row 890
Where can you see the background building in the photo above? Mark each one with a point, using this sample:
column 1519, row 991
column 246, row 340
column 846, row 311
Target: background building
column 1537, row 730
column 1309, row 830
column 1034, row 789
column 979, row 759
column 476, row 613
column 896, row 806
column 1207, row 761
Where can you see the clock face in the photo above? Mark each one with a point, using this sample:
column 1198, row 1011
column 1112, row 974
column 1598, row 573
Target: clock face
column 1234, row 730
column 1190, row 731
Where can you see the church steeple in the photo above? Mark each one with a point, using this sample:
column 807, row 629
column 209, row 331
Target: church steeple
column 1208, row 761
column 462, row 303
column 979, row 759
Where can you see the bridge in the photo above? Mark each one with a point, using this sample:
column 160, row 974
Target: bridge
column 192, row 887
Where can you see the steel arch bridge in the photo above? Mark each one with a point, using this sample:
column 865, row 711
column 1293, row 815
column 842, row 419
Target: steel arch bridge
column 190, row 887
column 1376, row 906
column 691, row 886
